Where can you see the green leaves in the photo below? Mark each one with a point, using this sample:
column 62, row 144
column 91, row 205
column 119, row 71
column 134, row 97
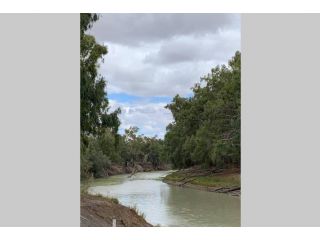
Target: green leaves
column 99, row 128
column 94, row 103
column 206, row 127
column 137, row 148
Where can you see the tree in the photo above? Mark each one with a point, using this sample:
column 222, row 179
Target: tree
column 99, row 128
column 206, row 127
column 94, row 102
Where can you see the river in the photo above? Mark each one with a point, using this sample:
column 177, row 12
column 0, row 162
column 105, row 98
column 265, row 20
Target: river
column 166, row 205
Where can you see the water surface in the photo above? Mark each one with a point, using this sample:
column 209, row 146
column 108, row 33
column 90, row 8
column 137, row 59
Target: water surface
column 167, row 205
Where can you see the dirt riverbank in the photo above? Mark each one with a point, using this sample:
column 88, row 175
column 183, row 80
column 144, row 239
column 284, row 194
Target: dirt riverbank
column 99, row 211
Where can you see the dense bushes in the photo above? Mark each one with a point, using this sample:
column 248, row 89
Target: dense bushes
column 139, row 148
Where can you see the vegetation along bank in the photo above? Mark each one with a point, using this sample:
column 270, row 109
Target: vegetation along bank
column 212, row 180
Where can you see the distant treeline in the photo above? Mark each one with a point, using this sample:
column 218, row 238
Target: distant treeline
column 106, row 149
column 205, row 131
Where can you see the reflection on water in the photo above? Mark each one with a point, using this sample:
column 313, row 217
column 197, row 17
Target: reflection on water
column 168, row 205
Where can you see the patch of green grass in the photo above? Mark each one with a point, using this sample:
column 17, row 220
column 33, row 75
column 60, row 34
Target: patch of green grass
column 232, row 180
column 112, row 199
column 175, row 176
column 106, row 181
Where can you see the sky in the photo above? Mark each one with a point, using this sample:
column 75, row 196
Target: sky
column 153, row 57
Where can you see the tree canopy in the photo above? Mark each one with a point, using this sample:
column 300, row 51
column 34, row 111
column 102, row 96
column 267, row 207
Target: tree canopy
column 94, row 116
column 94, row 101
column 206, row 127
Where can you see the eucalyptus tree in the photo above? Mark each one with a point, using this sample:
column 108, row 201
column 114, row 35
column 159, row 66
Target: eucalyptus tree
column 206, row 126
column 96, row 122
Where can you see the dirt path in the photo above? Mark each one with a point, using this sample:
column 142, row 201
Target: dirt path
column 97, row 211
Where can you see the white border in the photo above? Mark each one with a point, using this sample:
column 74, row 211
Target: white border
column 244, row 6
column 157, row 6
column 159, row 233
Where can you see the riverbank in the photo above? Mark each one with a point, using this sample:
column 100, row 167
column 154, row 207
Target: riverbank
column 99, row 211
column 211, row 180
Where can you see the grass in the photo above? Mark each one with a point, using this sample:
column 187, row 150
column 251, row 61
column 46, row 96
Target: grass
column 112, row 199
column 175, row 176
column 232, row 180
column 141, row 214
column 116, row 179
column 225, row 180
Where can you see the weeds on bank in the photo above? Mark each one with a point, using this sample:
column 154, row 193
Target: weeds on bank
column 218, row 181
column 208, row 181
column 175, row 176
column 85, row 184
column 141, row 214
column 112, row 199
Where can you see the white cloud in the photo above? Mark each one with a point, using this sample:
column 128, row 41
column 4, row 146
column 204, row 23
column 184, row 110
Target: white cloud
column 208, row 47
column 137, row 29
column 167, row 68
column 150, row 118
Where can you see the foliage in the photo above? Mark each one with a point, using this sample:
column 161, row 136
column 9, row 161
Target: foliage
column 139, row 148
column 94, row 103
column 94, row 155
column 131, row 149
column 206, row 127
column 97, row 143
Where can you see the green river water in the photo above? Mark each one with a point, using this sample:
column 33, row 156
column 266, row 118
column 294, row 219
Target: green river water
column 167, row 205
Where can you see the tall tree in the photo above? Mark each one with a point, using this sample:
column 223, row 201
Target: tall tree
column 94, row 102
column 99, row 128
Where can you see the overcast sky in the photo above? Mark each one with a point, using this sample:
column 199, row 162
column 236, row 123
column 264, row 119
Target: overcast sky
column 153, row 57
